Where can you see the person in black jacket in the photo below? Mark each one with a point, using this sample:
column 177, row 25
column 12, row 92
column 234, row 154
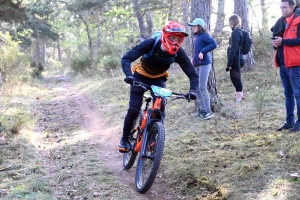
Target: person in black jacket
column 236, row 58
column 153, row 70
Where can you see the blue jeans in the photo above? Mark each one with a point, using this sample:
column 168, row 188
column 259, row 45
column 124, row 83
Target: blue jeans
column 203, row 98
column 290, row 78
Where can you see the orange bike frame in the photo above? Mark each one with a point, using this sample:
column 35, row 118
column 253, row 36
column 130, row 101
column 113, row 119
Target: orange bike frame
column 156, row 105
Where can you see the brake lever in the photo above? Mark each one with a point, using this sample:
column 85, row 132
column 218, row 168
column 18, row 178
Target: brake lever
column 181, row 96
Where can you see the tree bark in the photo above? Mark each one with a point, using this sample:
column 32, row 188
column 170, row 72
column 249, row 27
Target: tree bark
column 149, row 23
column 37, row 51
column 43, row 51
column 203, row 8
column 242, row 10
column 220, row 21
column 58, row 51
column 139, row 16
column 185, row 14
column 98, row 31
column 169, row 18
column 265, row 14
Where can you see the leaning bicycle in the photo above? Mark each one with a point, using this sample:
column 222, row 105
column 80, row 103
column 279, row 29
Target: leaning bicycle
column 147, row 137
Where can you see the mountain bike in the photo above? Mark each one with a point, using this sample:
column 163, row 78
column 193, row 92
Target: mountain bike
column 147, row 137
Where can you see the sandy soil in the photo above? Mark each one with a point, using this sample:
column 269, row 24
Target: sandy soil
column 63, row 110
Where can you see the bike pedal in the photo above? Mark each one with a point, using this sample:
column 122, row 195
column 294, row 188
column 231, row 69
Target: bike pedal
column 122, row 150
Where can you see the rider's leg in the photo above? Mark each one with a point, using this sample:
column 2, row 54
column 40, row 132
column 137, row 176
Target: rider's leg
column 135, row 103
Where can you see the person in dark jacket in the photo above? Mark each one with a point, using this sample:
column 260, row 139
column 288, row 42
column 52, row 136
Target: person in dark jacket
column 153, row 70
column 203, row 45
column 236, row 58
column 286, row 32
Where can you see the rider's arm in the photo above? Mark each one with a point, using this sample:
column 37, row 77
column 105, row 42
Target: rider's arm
column 135, row 53
column 184, row 62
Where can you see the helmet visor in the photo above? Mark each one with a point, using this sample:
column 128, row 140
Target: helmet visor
column 175, row 39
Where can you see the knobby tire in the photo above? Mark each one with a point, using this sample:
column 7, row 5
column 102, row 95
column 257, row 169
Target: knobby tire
column 147, row 168
column 130, row 156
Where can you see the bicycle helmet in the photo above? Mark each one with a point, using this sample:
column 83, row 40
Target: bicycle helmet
column 172, row 37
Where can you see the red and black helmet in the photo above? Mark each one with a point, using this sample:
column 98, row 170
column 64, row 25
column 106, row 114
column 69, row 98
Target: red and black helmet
column 173, row 34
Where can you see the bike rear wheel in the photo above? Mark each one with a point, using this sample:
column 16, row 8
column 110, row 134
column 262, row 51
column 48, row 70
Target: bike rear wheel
column 130, row 156
column 149, row 160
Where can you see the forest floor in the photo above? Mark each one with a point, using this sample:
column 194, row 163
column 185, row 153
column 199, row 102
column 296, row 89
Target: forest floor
column 69, row 148
column 93, row 142
column 76, row 152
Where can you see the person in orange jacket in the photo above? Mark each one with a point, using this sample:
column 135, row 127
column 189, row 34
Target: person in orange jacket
column 286, row 41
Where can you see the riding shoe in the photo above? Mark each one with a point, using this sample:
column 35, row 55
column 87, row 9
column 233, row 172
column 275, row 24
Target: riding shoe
column 286, row 126
column 123, row 145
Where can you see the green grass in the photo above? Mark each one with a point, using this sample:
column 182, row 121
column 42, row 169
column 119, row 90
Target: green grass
column 235, row 155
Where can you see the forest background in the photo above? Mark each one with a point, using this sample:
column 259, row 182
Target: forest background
column 236, row 155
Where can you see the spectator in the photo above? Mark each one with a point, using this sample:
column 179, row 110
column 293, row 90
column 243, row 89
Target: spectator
column 236, row 58
column 287, row 44
column 202, row 59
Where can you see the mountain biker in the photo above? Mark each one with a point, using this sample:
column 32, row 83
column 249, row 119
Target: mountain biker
column 153, row 70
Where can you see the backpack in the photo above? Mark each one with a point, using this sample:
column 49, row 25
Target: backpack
column 246, row 45
column 157, row 36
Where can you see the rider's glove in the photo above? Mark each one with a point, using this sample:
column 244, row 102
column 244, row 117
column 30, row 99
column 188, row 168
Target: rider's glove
column 191, row 95
column 129, row 80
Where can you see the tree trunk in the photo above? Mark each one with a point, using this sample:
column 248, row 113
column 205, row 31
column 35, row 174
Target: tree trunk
column 220, row 21
column 185, row 14
column 98, row 31
column 43, row 51
column 58, row 51
column 37, row 51
column 169, row 18
column 242, row 10
column 265, row 14
column 149, row 23
column 139, row 16
column 87, row 32
column 202, row 8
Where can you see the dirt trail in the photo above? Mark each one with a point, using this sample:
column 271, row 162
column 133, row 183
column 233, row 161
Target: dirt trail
column 70, row 131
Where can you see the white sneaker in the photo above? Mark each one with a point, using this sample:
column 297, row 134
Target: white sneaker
column 207, row 115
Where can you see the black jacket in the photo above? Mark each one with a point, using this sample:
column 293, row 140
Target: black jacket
column 233, row 51
column 159, row 64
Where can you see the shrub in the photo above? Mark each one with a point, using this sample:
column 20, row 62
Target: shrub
column 54, row 63
column 81, row 62
column 109, row 56
column 37, row 69
column 262, row 46
column 13, row 63
column 109, row 62
column 13, row 120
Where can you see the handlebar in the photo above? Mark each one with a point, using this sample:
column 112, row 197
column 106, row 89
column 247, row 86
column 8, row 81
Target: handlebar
column 146, row 87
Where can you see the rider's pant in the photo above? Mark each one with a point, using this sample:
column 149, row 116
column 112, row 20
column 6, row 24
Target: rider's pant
column 136, row 100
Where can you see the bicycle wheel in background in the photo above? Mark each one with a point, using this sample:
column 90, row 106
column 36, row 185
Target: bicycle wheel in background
column 149, row 161
column 130, row 156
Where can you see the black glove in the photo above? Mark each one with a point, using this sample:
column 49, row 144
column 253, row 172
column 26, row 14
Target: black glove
column 227, row 69
column 129, row 80
column 191, row 96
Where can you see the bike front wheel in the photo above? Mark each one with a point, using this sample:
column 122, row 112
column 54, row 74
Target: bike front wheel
column 130, row 156
column 150, row 157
